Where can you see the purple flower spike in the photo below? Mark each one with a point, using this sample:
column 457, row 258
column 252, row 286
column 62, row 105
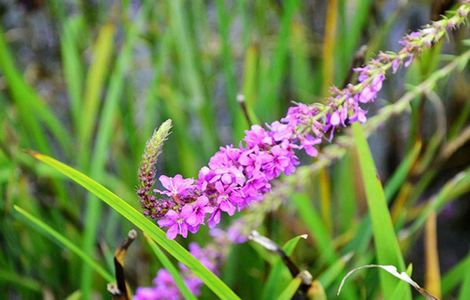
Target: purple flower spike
column 235, row 177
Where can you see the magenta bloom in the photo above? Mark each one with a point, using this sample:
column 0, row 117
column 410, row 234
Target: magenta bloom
column 257, row 136
column 176, row 186
column 164, row 288
column 199, row 210
column 177, row 222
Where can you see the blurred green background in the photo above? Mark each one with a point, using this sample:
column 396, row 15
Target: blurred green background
column 88, row 81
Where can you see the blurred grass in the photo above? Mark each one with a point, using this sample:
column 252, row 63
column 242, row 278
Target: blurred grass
column 124, row 68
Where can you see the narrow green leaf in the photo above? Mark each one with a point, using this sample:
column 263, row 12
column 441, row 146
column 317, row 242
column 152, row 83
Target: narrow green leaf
column 191, row 78
column 249, row 85
column 289, row 292
column 455, row 276
column 279, row 273
column 96, row 76
column 401, row 173
column 32, row 108
column 273, row 72
column 72, row 67
column 304, row 81
column 171, row 269
column 350, row 31
column 105, row 127
column 328, row 276
column 314, row 223
column 455, row 187
column 386, row 244
column 224, row 17
column 38, row 224
column 345, row 192
column 20, row 281
column 144, row 224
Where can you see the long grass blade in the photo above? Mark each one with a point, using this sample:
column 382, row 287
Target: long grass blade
column 314, row 223
column 33, row 110
column 38, row 224
column 455, row 276
column 279, row 273
column 465, row 287
column 93, row 88
column 171, row 269
column 148, row 227
column 289, row 292
column 386, row 244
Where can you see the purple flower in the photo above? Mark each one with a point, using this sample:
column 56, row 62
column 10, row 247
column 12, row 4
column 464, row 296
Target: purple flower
column 145, row 293
column 199, row 210
column 176, row 186
column 308, row 143
column 408, row 61
column 281, row 131
column 164, row 288
column 206, row 256
column 214, row 218
column 194, row 284
column 281, row 160
column 395, row 65
column 257, row 136
column 177, row 222
column 223, row 199
column 335, row 119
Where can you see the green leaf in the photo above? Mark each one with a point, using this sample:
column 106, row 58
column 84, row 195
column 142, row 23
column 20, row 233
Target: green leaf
column 272, row 75
column 190, row 74
column 315, row 224
column 31, row 107
column 279, row 273
column 328, row 276
column 289, row 292
column 452, row 278
column 72, row 68
column 144, row 224
column 402, row 171
column 38, row 224
column 171, row 269
column 465, row 288
column 386, row 244
column 95, row 81
column 19, row 280
column 455, row 187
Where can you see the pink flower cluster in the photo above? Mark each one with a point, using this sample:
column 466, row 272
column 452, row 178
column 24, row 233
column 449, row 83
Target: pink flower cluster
column 164, row 286
column 238, row 176
column 233, row 179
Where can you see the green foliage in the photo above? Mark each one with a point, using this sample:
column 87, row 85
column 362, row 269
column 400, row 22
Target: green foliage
column 166, row 263
column 144, row 224
column 386, row 244
column 114, row 71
